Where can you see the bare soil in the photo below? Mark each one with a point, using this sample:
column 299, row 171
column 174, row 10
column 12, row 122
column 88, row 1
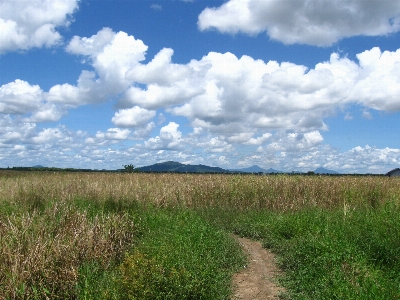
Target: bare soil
column 258, row 279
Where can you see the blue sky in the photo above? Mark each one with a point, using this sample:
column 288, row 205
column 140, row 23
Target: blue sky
column 289, row 85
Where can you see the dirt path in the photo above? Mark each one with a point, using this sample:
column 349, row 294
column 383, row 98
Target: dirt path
column 257, row 280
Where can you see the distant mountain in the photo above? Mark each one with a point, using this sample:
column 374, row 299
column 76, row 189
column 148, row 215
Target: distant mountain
column 172, row 166
column 176, row 167
column 324, row 171
column 252, row 169
column 256, row 169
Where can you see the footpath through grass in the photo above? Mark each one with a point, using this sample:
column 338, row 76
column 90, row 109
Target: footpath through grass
column 324, row 254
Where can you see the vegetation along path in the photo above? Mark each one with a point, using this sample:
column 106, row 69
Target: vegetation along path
column 257, row 280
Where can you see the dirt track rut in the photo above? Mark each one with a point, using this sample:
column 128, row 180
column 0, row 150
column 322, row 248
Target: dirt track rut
column 258, row 280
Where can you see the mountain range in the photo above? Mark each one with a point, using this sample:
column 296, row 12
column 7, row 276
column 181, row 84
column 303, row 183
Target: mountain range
column 324, row 171
column 172, row 166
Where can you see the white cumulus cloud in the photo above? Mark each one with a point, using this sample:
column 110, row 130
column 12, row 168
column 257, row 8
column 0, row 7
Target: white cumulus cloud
column 379, row 76
column 48, row 112
column 111, row 55
column 312, row 22
column 133, row 117
column 169, row 138
column 295, row 142
column 235, row 98
column 52, row 136
column 33, row 23
column 19, row 97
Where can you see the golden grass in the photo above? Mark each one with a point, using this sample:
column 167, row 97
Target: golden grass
column 43, row 253
column 281, row 192
column 44, row 239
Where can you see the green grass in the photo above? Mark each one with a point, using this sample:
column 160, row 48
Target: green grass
column 178, row 256
column 328, row 254
column 192, row 259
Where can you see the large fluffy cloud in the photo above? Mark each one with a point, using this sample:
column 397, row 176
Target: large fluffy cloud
column 241, row 96
column 313, row 22
column 28, row 24
column 378, row 80
column 169, row 138
column 19, row 97
column 111, row 55
column 247, row 93
column 236, row 98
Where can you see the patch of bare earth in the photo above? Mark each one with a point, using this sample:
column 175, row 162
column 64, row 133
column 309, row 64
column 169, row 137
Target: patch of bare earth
column 258, row 279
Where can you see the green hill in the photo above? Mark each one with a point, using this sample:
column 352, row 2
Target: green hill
column 172, row 166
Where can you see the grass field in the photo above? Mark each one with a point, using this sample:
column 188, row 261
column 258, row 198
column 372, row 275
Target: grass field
column 168, row 236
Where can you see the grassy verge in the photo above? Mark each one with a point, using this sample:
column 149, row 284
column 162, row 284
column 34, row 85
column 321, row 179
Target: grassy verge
column 178, row 256
column 185, row 256
column 328, row 254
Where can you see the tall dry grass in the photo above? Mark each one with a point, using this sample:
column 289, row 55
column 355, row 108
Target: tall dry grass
column 281, row 192
column 41, row 254
column 45, row 238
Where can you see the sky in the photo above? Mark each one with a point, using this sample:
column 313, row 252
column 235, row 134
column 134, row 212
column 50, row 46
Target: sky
column 291, row 85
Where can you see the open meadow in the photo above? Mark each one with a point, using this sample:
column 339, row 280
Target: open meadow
column 169, row 236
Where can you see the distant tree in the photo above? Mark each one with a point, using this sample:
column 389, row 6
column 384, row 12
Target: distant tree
column 130, row 168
